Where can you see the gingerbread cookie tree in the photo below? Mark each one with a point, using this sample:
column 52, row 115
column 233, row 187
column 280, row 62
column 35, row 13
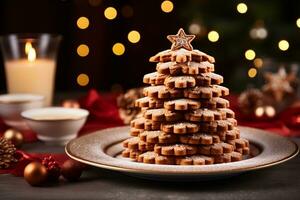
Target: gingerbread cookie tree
column 184, row 118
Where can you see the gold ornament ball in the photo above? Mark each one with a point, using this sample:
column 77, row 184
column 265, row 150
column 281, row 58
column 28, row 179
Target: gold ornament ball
column 35, row 173
column 14, row 136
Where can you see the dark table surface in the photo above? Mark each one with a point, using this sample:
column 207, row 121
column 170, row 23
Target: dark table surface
column 277, row 182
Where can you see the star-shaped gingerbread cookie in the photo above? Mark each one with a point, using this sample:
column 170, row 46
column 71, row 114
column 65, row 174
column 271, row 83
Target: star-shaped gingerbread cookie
column 181, row 40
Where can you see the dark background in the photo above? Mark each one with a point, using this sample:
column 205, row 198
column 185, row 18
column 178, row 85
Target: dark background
column 107, row 71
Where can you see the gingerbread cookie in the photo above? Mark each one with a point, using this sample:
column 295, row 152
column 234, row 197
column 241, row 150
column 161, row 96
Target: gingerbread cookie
column 181, row 56
column 218, row 126
column 148, row 102
column 151, row 157
column 232, row 134
column 162, row 92
column 180, row 82
column 215, row 149
column 161, row 137
column 182, row 104
column 199, row 138
column 135, row 131
column 204, row 115
column 244, row 151
column 180, row 127
column 205, row 92
column 207, row 79
column 240, row 143
column 228, row 157
column 194, row 160
column 145, row 124
column 154, row 78
column 136, row 144
column 229, row 112
column 189, row 68
column 175, row 150
column 195, row 68
column 214, row 103
column 132, row 154
column 162, row 115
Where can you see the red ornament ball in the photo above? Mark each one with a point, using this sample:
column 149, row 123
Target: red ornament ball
column 72, row 170
column 35, row 173
column 52, row 167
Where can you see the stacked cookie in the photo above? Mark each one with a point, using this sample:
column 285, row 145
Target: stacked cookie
column 184, row 119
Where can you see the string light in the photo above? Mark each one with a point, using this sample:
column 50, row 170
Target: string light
column 298, row 22
column 167, row 6
column 83, row 79
column 258, row 62
column 250, row 54
column 242, row 8
column 83, row 22
column 110, row 13
column 213, row 36
column 252, row 72
column 118, row 49
column 283, row 45
column 134, row 36
column 195, row 28
column 83, row 50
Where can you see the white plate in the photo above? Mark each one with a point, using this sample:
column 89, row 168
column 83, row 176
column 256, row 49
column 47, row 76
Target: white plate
column 102, row 149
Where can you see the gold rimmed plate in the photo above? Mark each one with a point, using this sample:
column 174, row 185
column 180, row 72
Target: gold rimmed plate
column 103, row 148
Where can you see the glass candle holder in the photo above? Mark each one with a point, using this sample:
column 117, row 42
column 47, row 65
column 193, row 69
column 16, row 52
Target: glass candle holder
column 30, row 63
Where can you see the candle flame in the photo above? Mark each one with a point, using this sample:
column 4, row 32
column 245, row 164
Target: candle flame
column 31, row 55
column 28, row 46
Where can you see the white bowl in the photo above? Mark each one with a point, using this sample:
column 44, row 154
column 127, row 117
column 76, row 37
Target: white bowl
column 55, row 125
column 11, row 106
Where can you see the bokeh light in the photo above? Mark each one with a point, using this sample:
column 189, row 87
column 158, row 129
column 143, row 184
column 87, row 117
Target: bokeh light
column 298, row 22
column 110, row 13
column 259, row 111
column 83, row 50
column 213, row 36
column 167, row 6
column 270, row 111
column 258, row 62
column 252, row 72
column 283, row 45
column 134, row 36
column 118, row 49
column 83, row 79
column 83, row 22
column 195, row 28
column 242, row 8
column 250, row 54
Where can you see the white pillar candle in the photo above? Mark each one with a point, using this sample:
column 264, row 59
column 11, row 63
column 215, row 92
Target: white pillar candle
column 31, row 76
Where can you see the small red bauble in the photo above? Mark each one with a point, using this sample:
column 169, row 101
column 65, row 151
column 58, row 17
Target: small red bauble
column 72, row 170
column 52, row 167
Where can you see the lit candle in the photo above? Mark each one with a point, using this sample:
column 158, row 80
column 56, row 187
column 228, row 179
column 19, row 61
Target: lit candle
column 31, row 75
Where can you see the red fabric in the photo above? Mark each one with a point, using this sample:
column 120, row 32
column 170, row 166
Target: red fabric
column 104, row 114
column 286, row 123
